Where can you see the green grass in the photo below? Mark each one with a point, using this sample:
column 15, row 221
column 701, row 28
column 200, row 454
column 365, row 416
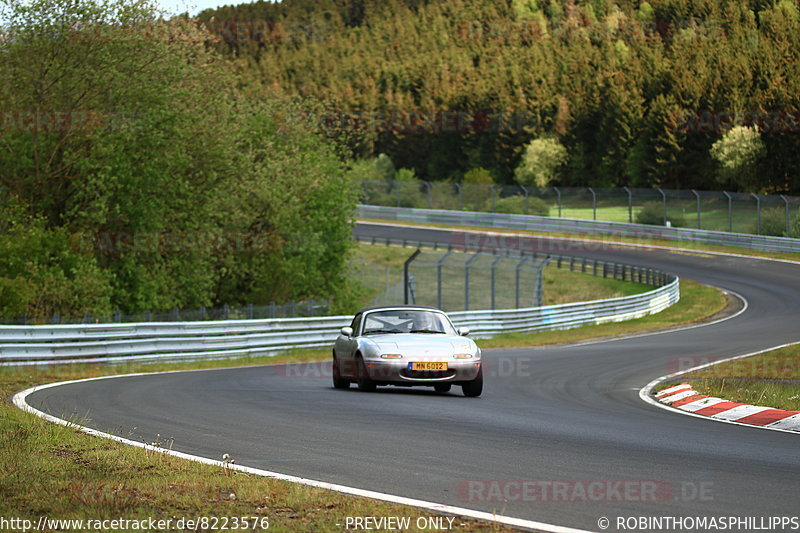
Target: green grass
column 753, row 380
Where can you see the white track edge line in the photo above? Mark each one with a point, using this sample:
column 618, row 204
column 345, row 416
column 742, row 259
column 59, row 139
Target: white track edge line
column 19, row 400
column 645, row 392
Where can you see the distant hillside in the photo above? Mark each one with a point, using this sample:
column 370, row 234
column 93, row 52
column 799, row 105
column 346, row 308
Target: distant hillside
column 637, row 92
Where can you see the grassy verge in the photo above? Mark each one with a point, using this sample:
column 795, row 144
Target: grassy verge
column 608, row 239
column 58, row 472
column 769, row 379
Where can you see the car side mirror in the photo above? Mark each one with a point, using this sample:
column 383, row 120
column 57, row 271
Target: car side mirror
column 347, row 331
column 463, row 331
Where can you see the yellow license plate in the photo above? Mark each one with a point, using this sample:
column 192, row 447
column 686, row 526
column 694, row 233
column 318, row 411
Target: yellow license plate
column 429, row 366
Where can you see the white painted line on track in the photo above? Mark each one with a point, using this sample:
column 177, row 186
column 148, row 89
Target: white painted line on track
column 19, row 400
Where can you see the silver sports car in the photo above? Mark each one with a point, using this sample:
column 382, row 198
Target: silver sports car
column 406, row 346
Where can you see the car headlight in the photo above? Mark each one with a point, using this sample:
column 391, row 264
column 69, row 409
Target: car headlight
column 462, row 356
column 391, row 356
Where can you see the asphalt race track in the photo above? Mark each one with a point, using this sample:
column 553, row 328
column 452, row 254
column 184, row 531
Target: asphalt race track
column 569, row 414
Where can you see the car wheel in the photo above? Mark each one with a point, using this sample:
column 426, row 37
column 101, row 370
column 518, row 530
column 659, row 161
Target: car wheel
column 442, row 387
column 364, row 383
column 475, row 387
column 338, row 381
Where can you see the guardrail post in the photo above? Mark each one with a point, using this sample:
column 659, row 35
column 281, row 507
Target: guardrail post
column 594, row 203
column 406, row 285
column 663, row 204
column 466, row 279
column 558, row 194
column 630, row 204
column 697, row 194
column 758, row 208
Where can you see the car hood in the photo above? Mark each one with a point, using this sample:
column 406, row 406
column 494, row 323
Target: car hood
column 423, row 344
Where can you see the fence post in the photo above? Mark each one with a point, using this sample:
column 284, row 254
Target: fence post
column 428, row 189
column 594, row 203
column 786, row 201
column 697, row 194
column 538, row 293
column 491, row 187
column 466, row 279
column 439, row 266
column 630, row 204
column 663, row 204
column 460, row 202
column 758, row 208
column 516, row 285
column 525, row 190
column 494, row 267
column 272, row 309
column 405, row 275
column 730, row 211
column 558, row 194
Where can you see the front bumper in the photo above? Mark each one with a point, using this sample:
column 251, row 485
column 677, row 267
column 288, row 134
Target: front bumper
column 397, row 371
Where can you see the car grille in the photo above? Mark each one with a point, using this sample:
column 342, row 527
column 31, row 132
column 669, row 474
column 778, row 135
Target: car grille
column 428, row 374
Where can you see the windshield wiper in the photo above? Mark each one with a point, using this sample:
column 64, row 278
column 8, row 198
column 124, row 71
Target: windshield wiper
column 425, row 331
column 382, row 331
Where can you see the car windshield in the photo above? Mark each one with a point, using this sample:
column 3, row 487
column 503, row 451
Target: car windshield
column 407, row 321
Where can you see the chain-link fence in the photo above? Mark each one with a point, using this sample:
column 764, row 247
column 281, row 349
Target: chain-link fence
column 758, row 214
column 459, row 281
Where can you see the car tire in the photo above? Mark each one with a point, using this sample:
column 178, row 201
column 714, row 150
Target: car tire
column 364, row 383
column 338, row 381
column 442, row 387
column 473, row 388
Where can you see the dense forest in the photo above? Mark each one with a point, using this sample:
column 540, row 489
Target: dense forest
column 137, row 173
column 635, row 93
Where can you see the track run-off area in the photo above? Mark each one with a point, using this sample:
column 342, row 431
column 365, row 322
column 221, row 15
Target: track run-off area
column 560, row 435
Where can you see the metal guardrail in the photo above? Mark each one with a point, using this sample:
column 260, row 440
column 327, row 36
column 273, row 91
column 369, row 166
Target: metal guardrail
column 565, row 225
column 21, row 345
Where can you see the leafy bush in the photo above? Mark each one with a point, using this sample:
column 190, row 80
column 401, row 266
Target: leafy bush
column 773, row 222
column 516, row 205
column 652, row 213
